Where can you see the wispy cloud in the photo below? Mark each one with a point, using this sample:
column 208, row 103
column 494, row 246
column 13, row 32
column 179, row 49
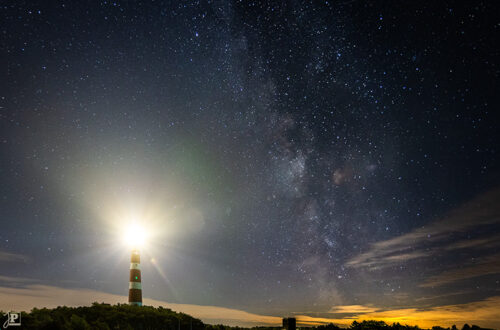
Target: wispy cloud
column 435, row 238
column 441, row 296
column 483, row 266
column 13, row 280
column 12, row 257
column 353, row 309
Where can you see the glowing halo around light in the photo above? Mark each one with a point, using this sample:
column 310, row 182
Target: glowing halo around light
column 135, row 236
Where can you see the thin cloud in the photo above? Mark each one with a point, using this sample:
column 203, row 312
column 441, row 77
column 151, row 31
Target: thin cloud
column 352, row 309
column 434, row 239
column 12, row 257
column 13, row 280
column 481, row 243
column 484, row 266
column 451, row 294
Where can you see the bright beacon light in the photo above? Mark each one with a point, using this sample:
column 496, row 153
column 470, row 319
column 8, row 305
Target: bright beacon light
column 135, row 236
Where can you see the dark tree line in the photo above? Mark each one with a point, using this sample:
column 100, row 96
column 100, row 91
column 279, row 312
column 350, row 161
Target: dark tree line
column 381, row 325
column 121, row 316
column 365, row 325
column 106, row 317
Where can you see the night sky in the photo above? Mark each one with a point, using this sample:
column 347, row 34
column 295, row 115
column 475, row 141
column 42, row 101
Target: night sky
column 327, row 160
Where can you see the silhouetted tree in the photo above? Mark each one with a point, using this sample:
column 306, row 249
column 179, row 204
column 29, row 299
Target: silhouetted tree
column 105, row 317
column 369, row 325
column 329, row 326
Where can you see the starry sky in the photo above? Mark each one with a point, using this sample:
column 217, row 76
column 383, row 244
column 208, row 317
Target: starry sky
column 329, row 160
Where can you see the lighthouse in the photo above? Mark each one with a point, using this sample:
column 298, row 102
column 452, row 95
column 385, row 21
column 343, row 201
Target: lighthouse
column 135, row 285
column 135, row 238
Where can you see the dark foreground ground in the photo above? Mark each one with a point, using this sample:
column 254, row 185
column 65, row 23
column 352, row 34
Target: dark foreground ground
column 121, row 316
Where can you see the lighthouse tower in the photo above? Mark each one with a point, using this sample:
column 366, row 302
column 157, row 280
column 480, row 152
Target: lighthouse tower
column 135, row 286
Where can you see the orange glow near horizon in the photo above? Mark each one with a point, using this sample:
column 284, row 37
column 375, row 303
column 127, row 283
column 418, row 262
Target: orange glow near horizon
column 483, row 313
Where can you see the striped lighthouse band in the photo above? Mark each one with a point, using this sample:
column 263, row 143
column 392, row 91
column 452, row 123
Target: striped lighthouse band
column 135, row 286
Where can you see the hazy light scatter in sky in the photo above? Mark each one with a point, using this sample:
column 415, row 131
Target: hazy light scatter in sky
column 328, row 160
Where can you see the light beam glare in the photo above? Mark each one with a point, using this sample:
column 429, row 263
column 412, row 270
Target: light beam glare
column 135, row 235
